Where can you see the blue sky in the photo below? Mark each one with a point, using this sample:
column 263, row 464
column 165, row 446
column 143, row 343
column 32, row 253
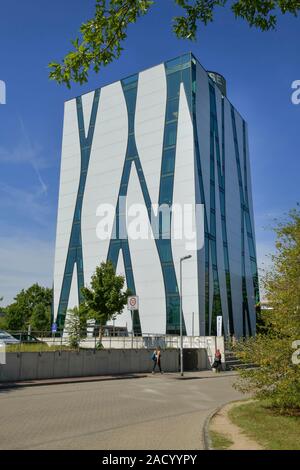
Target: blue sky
column 259, row 68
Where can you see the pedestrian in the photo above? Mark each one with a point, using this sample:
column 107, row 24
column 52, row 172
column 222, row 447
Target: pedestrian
column 156, row 357
column 218, row 361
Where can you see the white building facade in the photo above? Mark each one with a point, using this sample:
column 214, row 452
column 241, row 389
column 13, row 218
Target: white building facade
column 164, row 137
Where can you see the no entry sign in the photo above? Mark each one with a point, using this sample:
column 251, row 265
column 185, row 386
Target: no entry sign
column 133, row 302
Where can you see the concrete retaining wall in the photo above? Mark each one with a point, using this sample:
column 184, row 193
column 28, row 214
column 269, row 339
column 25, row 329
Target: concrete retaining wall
column 48, row 365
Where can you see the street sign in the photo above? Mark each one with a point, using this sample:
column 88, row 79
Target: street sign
column 54, row 328
column 219, row 326
column 133, row 302
column 2, row 353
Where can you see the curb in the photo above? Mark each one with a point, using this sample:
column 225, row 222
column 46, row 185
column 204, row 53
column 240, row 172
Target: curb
column 75, row 380
column 206, row 437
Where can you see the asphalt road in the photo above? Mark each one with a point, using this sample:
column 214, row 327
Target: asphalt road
column 152, row 412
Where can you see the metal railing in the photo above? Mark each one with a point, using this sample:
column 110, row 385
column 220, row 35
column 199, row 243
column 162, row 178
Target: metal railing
column 39, row 341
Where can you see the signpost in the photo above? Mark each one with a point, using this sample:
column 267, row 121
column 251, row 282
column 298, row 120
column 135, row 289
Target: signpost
column 219, row 326
column 2, row 353
column 133, row 302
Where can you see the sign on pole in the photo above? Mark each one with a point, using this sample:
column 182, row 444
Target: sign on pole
column 219, row 326
column 54, row 328
column 133, row 302
column 2, row 353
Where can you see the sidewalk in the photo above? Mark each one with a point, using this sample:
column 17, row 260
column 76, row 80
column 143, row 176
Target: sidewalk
column 68, row 380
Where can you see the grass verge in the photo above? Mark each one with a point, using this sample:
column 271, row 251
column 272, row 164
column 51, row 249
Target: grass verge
column 219, row 441
column 38, row 347
column 266, row 426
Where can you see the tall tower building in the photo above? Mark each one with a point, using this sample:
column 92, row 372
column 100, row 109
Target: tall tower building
column 166, row 136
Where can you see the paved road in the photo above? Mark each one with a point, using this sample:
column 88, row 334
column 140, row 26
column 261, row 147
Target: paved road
column 153, row 412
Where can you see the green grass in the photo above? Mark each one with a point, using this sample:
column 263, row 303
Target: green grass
column 219, row 441
column 266, row 426
column 35, row 347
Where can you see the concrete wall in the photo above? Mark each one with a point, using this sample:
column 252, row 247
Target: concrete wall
column 49, row 365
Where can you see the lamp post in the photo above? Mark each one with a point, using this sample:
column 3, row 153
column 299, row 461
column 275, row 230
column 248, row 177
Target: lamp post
column 181, row 342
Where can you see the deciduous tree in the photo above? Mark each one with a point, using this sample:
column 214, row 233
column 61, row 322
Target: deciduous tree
column 277, row 376
column 101, row 37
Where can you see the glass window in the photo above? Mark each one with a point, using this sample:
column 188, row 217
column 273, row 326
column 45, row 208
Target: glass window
column 70, row 261
column 170, row 279
column 222, row 203
column 166, row 190
column 130, row 96
column 173, row 81
column 214, row 253
column 171, row 134
column 79, row 263
column 66, row 287
column 131, row 149
column 131, row 123
column 168, row 163
column 75, row 237
column 226, row 259
column 187, row 80
column 81, row 185
column 173, row 319
column 174, row 64
column 212, row 196
column 165, row 251
column 80, row 281
column 172, row 109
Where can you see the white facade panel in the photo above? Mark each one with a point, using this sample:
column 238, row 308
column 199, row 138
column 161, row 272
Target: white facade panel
column 184, row 193
column 149, row 125
column 67, row 199
column 104, row 174
column 146, row 268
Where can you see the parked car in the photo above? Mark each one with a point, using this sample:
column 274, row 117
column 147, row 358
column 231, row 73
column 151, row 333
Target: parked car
column 26, row 338
column 6, row 338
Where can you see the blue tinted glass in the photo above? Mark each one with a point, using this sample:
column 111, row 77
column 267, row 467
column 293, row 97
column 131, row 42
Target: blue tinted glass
column 170, row 134
column 173, row 80
column 170, row 279
column 75, row 237
column 66, row 287
column 174, row 63
column 131, row 100
column 168, row 163
column 166, row 190
column 166, row 252
column 70, row 261
column 172, row 110
column 80, row 281
column 129, row 81
column 131, row 123
column 187, row 81
column 173, row 312
column 79, row 263
column 131, row 149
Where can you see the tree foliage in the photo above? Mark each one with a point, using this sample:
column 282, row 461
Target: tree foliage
column 76, row 324
column 101, row 37
column 106, row 296
column 30, row 307
column 277, row 377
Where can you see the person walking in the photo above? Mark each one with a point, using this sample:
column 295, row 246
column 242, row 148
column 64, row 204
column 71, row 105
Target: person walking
column 156, row 357
column 218, row 361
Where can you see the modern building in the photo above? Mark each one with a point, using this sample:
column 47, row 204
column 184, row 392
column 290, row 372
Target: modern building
column 167, row 135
